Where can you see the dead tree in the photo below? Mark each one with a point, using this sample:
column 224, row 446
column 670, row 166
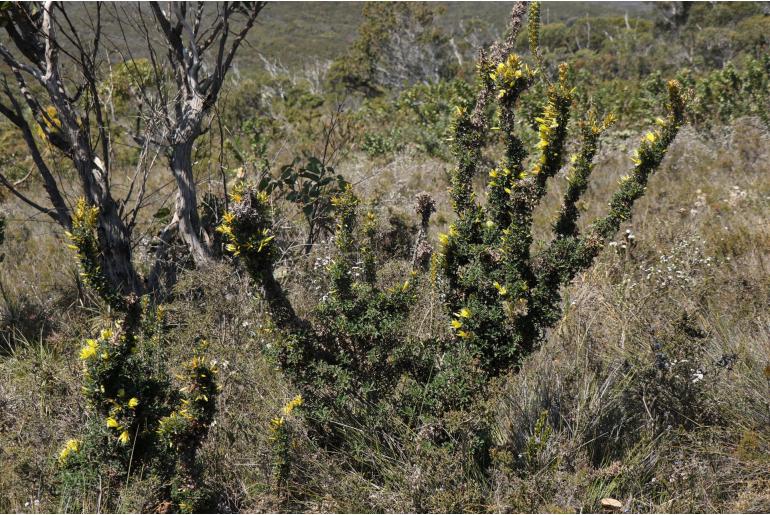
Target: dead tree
column 52, row 88
column 49, row 92
column 196, row 47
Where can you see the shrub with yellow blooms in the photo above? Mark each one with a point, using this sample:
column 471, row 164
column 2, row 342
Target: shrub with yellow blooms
column 138, row 420
column 357, row 361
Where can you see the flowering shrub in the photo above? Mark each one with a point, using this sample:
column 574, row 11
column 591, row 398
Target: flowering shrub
column 358, row 361
column 280, row 429
column 137, row 419
column 184, row 430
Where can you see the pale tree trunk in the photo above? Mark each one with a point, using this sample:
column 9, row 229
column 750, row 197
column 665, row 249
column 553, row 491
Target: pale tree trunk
column 185, row 225
column 186, row 217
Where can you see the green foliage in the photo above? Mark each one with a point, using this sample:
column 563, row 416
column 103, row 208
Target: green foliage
column 281, row 439
column 184, row 430
column 86, row 243
column 537, row 443
column 399, row 44
column 419, row 117
column 725, row 94
column 427, row 112
column 137, row 420
column 310, row 187
column 343, row 365
column 127, row 79
column 377, row 144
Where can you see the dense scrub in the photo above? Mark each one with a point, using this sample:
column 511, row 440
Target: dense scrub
column 381, row 330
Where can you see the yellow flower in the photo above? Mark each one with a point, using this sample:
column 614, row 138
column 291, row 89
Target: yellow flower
column 651, row 137
column 133, row 402
column 464, row 334
column 106, row 334
column 456, row 324
column 502, row 290
column 72, row 446
column 111, row 422
column 464, row 313
column 124, row 438
column 294, row 403
column 89, row 349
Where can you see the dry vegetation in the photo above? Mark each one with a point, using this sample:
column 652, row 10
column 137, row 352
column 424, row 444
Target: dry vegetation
column 641, row 409
column 653, row 388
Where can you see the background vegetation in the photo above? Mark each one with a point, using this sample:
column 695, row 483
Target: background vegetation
column 651, row 387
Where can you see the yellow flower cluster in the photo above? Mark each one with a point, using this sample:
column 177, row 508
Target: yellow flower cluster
column 546, row 126
column 457, row 323
column 509, row 74
column 91, row 347
column 504, row 174
column 255, row 244
column 117, row 408
column 84, row 214
column 89, row 350
column 277, row 423
column 51, row 123
column 649, row 138
column 71, row 447
column 84, row 217
column 124, row 436
column 451, row 233
column 294, row 403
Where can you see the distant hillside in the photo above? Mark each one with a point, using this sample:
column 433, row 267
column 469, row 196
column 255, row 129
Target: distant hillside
column 301, row 32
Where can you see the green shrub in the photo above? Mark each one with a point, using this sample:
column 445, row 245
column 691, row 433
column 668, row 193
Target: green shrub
column 725, row 94
column 310, row 187
column 357, row 362
column 139, row 423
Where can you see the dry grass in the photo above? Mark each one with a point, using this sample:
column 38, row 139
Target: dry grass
column 619, row 427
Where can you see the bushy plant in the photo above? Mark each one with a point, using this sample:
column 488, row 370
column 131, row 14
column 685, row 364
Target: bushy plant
column 310, row 186
column 398, row 44
column 138, row 422
column 418, row 116
column 725, row 94
column 355, row 359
